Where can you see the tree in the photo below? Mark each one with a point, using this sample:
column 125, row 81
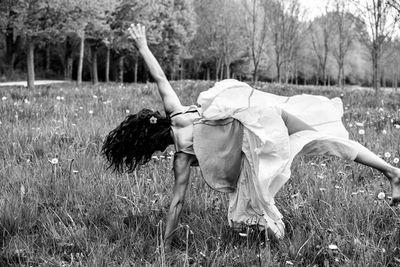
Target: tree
column 344, row 28
column 380, row 20
column 285, row 28
column 256, row 21
column 37, row 21
column 321, row 35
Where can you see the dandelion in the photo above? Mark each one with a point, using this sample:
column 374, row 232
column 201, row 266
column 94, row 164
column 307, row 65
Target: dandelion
column 4, row 98
column 333, row 247
column 384, row 132
column 381, row 195
column 395, row 160
column 387, row 155
column 54, row 161
column 361, row 132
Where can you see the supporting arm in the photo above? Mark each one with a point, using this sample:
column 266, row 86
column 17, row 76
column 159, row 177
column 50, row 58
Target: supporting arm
column 182, row 162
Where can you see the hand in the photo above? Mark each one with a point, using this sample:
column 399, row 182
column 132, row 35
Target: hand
column 138, row 34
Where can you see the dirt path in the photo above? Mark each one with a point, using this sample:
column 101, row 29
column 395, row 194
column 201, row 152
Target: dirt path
column 24, row 83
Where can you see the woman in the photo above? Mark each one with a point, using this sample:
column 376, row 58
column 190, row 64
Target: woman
column 235, row 125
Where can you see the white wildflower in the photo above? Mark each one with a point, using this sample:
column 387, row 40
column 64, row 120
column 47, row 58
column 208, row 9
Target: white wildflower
column 90, row 112
column 58, row 98
column 243, row 234
column 127, row 111
column 380, row 109
column 387, row 155
column 384, row 132
column 397, row 126
column 54, row 161
column 359, row 124
column 4, row 98
column 95, row 96
column 381, row 195
column 333, row 247
column 361, row 132
column 395, row 160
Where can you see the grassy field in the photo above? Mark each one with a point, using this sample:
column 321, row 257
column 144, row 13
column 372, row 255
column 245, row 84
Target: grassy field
column 59, row 206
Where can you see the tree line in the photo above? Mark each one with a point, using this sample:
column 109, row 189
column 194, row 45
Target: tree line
column 351, row 42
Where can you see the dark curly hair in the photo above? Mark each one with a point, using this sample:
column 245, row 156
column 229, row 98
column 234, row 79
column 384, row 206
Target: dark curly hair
column 135, row 140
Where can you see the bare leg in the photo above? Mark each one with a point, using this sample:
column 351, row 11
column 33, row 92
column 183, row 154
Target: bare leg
column 368, row 158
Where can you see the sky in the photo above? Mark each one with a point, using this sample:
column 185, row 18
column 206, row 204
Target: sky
column 313, row 7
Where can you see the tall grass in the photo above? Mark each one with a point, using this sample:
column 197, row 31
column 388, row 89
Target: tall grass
column 59, row 206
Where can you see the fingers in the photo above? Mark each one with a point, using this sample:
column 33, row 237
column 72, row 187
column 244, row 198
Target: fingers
column 137, row 30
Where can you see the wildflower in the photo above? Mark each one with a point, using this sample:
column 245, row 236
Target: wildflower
column 384, row 132
column 380, row 110
column 387, row 155
column 127, row 111
column 154, row 157
column 62, row 98
column 322, row 189
column 361, row 132
column 395, row 160
column 397, row 126
column 4, row 98
column 350, row 125
column 80, row 108
column 381, row 195
column 338, row 187
column 289, row 263
column 243, row 234
column 54, row 161
column 153, row 120
column 95, row 96
column 58, row 98
column 333, row 247
column 90, row 112
column 359, row 124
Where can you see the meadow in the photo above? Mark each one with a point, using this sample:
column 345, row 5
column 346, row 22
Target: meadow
column 60, row 206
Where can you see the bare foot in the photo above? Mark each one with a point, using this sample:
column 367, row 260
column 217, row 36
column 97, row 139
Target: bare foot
column 394, row 177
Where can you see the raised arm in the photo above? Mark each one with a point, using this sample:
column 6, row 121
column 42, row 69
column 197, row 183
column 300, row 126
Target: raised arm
column 168, row 95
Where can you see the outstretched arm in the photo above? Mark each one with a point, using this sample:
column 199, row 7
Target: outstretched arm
column 182, row 164
column 168, row 95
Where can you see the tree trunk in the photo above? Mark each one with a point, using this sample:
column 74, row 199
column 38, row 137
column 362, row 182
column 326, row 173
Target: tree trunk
column 375, row 74
column 108, row 64
column 208, row 74
column 31, row 64
column 95, row 76
column 81, row 55
column 135, row 69
column 48, row 58
column 121, row 69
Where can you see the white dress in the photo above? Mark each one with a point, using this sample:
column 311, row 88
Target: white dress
column 268, row 149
